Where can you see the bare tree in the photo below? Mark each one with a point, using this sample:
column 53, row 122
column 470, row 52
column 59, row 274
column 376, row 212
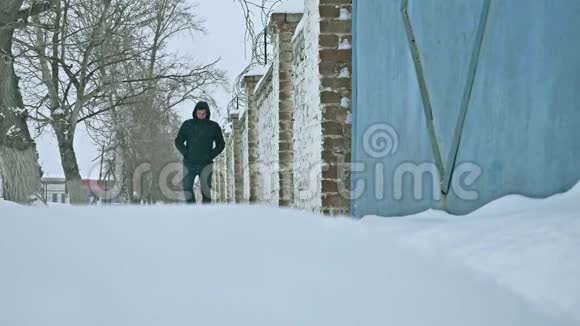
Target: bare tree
column 105, row 63
column 61, row 51
column 18, row 156
column 256, row 14
column 143, row 131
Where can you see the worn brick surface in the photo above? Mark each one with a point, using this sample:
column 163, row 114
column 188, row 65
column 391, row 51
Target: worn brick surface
column 238, row 158
column 331, row 11
column 267, row 149
column 335, row 27
column 252, row 125
column 230, row 166
column 299, row 117
column 282, row 33
column 336, row 106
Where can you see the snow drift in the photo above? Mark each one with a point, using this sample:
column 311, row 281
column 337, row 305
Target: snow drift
column 172, row 265
column 527, row 245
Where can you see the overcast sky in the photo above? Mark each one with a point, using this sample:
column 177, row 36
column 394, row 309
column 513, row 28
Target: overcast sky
column 224, row 39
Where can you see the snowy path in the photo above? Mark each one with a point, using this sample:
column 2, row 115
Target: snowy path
column 529, row 246
column 263, row 266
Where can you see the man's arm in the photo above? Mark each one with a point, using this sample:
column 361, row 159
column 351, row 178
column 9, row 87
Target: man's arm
column 180, row 141
column 220, row 143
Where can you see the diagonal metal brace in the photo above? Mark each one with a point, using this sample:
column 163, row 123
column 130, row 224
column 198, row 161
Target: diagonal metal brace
column 473, row 65
column 422, row 87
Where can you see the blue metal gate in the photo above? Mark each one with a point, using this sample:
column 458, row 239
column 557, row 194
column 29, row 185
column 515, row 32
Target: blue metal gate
column 457, row 103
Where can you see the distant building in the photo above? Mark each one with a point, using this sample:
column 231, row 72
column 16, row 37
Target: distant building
column 54, row 190
column 96, row 188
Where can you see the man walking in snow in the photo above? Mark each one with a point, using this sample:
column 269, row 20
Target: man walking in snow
column 195, row 141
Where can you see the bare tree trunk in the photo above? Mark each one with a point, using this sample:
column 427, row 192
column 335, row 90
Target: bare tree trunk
column 18, row 155
column 63, row 118
column 65, row 136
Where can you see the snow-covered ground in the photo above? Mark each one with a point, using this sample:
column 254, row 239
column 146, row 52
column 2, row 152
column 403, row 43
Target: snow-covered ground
column 4, row 204
column 515, row 262
column 530, row 246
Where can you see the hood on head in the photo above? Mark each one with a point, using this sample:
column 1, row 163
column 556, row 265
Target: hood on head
column 201, row 106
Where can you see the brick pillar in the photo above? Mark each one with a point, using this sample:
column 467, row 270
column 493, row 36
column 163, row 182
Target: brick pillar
column 229, row 168
column 249, row 84
column 217, row 172
column 214, row 182
column 336, row 97
column 238, row 159
column 245, row 158
column 282, row 27
column 222, row 179
column 218, row 185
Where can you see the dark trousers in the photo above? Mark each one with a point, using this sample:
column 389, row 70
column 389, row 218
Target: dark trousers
column 204, row 172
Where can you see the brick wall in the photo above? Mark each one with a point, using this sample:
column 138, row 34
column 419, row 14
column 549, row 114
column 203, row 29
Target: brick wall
column 215, row 182
column 249, row 84
column 245, row 157
column 282, row 27
column 224, row 174
column 267, row 150
column 224, row 178
column 336, row 96
column 307, row 131
column 220, row 178
column 230, row 168
column 238, row 157
column 299, row 113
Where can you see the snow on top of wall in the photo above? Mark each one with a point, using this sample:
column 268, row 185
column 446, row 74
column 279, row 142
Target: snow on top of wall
column 243, row 114
column 227, row 128
column 344, row 45
column 345, row 102
column 345, row 14
column 265, row 76
column 259, row 70
column 348, row 119
column 299, row 29
column 344, row 73
column 237, row 111
column 291, row 7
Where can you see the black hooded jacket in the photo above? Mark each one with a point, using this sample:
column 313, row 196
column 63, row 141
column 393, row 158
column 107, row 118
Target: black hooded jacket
column 195, row 140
